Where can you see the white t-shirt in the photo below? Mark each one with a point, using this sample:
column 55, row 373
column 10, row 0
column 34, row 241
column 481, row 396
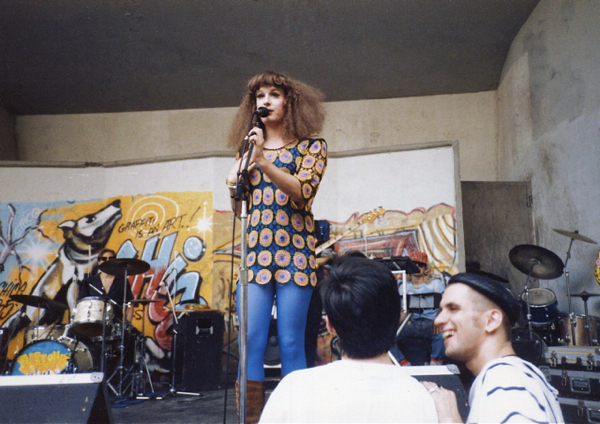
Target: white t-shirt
column 350, row 391
column 511, row 390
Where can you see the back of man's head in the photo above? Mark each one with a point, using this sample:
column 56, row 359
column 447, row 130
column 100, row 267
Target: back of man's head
column 361, row 300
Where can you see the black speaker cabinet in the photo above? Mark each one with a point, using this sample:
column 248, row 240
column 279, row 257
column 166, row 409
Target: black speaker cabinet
column 56, row 398
column 198, row 351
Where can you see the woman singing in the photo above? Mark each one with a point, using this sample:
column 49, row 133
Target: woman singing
column 287, row 164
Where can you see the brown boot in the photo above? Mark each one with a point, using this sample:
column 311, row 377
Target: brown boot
column 255, row 400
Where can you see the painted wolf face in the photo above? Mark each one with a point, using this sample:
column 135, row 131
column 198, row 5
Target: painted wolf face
column 91, row 233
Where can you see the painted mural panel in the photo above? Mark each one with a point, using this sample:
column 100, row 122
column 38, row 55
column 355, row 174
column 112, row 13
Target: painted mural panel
column 397, row 233
column 47, row 248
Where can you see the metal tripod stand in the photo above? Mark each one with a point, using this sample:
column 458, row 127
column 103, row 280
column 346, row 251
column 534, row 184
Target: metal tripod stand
column 127, row 267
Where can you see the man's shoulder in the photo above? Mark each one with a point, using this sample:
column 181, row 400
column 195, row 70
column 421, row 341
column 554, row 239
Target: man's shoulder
column 509, row 370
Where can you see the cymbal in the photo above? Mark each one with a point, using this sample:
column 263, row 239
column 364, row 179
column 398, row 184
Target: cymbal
column 575, row 235
column 143, row 301
column 38, row 301
column 542, row 263
column 118, row 266
column 585, row 294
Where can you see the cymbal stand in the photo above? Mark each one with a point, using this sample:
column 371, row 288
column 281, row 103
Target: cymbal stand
column 571, row 314
column 173, row 391
column 120, row 369
column 139, row 376
column 105, row 299
column 534, row 262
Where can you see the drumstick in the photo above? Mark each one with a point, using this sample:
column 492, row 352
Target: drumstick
column 47, row 331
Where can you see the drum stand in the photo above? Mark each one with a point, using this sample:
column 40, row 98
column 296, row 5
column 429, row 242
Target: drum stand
column 139, row 376
column 120, row 369
column 114, row 267
column 530, row 332
column 105, row 299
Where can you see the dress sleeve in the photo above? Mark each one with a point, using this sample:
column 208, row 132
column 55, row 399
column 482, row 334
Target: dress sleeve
column 311, row 168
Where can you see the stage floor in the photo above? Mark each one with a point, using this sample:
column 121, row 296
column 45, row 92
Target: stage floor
column 207, row 408
column 180, row 408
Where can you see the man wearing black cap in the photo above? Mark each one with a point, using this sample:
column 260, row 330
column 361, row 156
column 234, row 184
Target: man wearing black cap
column 476, row 317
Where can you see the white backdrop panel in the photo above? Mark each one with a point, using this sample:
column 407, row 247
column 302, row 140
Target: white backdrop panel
column 400, row 180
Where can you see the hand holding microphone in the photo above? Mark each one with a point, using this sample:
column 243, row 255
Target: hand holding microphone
column 255, row 137
column 245, row 162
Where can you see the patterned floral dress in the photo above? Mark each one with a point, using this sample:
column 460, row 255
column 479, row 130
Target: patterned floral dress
column 281, row 235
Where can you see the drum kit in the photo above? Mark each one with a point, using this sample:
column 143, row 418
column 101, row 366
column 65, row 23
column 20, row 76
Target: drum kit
column 94, row 340
column 545, row 324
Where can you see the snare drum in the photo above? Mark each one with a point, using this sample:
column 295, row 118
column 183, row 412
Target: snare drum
column 52, row 357
column 543, row 305
column 87, row 320
column 581, row 332
column 42, row 332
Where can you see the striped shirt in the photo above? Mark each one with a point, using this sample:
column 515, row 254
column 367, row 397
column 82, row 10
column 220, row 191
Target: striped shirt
column 511, row 390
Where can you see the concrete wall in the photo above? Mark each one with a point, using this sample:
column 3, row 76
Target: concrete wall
column 549, row 132
column 8, row 145
column 469, row 118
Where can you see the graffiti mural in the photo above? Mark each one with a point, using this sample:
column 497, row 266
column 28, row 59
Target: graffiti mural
column 48, row 248
column 398, row 233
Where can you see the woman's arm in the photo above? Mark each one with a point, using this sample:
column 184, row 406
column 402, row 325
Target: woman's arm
column 232, row 181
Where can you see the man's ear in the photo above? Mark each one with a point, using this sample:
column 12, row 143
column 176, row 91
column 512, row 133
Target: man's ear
column 329, row 326
column 494, row 320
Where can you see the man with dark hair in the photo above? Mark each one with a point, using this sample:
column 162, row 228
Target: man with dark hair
column 476, row 317
column 362, row 307
column 109, row 285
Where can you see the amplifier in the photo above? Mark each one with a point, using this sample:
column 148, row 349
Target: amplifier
column 446, row 376
column 198, row 363
column 54, row 398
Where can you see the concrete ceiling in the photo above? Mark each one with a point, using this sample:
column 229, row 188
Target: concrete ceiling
column 82, row 56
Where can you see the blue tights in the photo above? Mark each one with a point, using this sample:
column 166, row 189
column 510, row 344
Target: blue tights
column 292, row 309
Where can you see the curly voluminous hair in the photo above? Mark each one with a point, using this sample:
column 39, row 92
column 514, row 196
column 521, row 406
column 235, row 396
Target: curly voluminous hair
column 304, row 115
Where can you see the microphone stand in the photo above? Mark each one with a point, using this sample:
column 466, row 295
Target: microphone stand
column 241, row 195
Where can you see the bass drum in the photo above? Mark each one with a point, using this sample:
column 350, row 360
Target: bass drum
column 53, row 357
column 543, row 305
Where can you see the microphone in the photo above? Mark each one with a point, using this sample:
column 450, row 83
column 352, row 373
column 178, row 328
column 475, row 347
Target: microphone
column 262, row 111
